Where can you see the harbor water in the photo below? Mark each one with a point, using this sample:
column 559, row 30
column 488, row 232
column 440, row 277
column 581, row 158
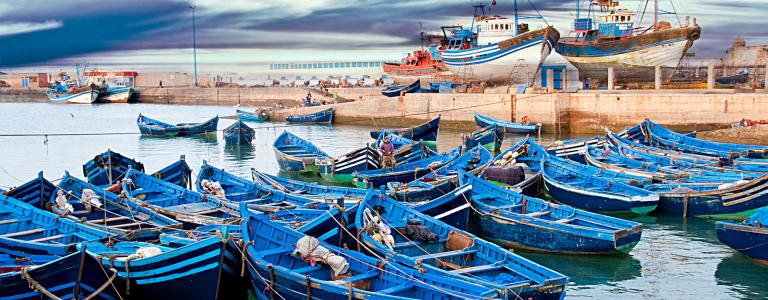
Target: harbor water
column 675, row 259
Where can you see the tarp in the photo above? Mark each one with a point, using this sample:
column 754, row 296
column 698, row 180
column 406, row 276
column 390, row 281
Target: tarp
column 760, row 216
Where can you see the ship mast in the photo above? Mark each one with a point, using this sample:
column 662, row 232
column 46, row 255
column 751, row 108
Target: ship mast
column 655, row 15
column 516, row 28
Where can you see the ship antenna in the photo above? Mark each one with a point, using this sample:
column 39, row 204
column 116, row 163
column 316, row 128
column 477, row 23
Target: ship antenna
column 421, row 28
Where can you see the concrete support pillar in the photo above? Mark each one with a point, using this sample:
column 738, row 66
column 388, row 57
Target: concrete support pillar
column 766, row 78
column 711, row 77
column 657, row 77
column 725, row 71
column 698, row 72
column 550, row 81
column 611, row 79
column 564, row 80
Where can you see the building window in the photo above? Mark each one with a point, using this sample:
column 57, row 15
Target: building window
column 348, row 64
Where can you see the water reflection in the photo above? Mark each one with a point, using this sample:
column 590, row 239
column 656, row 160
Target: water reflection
column 743, row 275
column 590, row 269
column 239, row 153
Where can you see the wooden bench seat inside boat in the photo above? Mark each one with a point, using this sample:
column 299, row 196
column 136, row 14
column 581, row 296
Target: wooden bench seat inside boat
column 477, row 269
column 192, row 208
column 23, row 233
column 539, row 213
column 446, row 254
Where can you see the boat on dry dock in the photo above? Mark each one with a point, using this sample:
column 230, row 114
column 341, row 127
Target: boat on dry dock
column 498, row 48
column 615, row 39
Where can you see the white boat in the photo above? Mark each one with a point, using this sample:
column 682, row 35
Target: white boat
column 117, row 95
column 86, row 97
column 498, row 49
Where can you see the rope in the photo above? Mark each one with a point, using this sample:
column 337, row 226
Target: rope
column 33, row 284
column 103, row 286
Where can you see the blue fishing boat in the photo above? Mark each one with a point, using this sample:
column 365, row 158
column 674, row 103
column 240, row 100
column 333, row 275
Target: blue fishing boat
column 662, row 156
column 593, row 189
column 749, row 237
column 74, row 276
column 257, row 116
column 321, row 117
column 489, row 137
column 178, row 173
column 404, row 172
column 239, row 133
column 307, row 213
column 661, row 136
column 509, row 127
column 189, row 207
column 442, row 180
column 614, row 37
column 93, row 206
column 9, row 263
column 433, row 247
column 517, row 168
column 303, row 188
column 513, row 220
column 295, row 154
column 340, row 169
column 108, row 168
column 152, row 271
column 81, row 97
column 282, row 262
column 497, row 48
column 401, row 89
column 426, row 133
column 442, row 87
column 150, row 126
column 28, row 230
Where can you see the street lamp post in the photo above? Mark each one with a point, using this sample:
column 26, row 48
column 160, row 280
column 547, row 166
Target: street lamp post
column 194, row 40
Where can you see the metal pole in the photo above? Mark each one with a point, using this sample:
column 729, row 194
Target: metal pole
column 194, row 40
column 516, row 32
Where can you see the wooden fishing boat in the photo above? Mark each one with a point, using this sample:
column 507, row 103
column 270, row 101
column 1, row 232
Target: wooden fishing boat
column 749, row 237
column 401, row 89
column 659, row 135
column 9, row 263
column 610, row 158
column 278, row 267
column 155, row 271
column 321, row 117
column 119, row 94
column 295, row 154
column 97, row 208
column 521, row 155
column 178, row 173
column 28, row 230
column 433, row 247
column 74, row 276
column 189, row 207
column 516, row 221
column 633, row 149
column 239, row 133
column 150, row 126
column 509, row 127
column 256, row 116
column 305, row 213
column 340, row 169
column 303, row 188
column 404, row 172
column 426, row 133
column 84, row 97
column 108, row 168
column 589, row 188
column 489, row 137
column 442, row 180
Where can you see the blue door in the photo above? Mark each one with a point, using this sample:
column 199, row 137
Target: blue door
column 24, row 82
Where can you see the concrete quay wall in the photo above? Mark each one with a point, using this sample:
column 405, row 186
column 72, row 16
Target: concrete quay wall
column 23, row 95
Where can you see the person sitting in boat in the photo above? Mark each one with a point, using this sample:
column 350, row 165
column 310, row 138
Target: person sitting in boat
column 387, row 151
column 525, row 120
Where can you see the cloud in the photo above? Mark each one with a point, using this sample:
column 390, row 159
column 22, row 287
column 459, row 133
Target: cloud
column 26, row 27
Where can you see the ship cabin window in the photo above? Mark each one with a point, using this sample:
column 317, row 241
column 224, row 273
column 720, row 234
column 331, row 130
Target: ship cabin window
column 506, row 26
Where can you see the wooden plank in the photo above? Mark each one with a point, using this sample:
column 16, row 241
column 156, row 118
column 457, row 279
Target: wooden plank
column 107, row 220
column 481, row 268
column 126, row 225
column 539, row 213
column 3, row 222
column 48, row 238
column 445, row 254
column 21, row 233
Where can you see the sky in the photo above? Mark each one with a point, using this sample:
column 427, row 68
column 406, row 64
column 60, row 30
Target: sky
column 158, row 33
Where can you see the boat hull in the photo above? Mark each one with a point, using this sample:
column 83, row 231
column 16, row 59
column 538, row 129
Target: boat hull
column 523, row 235
column 598, row 202
column 321, row 117
column 86, row 97
column 748, row 240
column 634, row 59
column 118, row 95
column 516, row 60
column 509, row 127
column 737, row 202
